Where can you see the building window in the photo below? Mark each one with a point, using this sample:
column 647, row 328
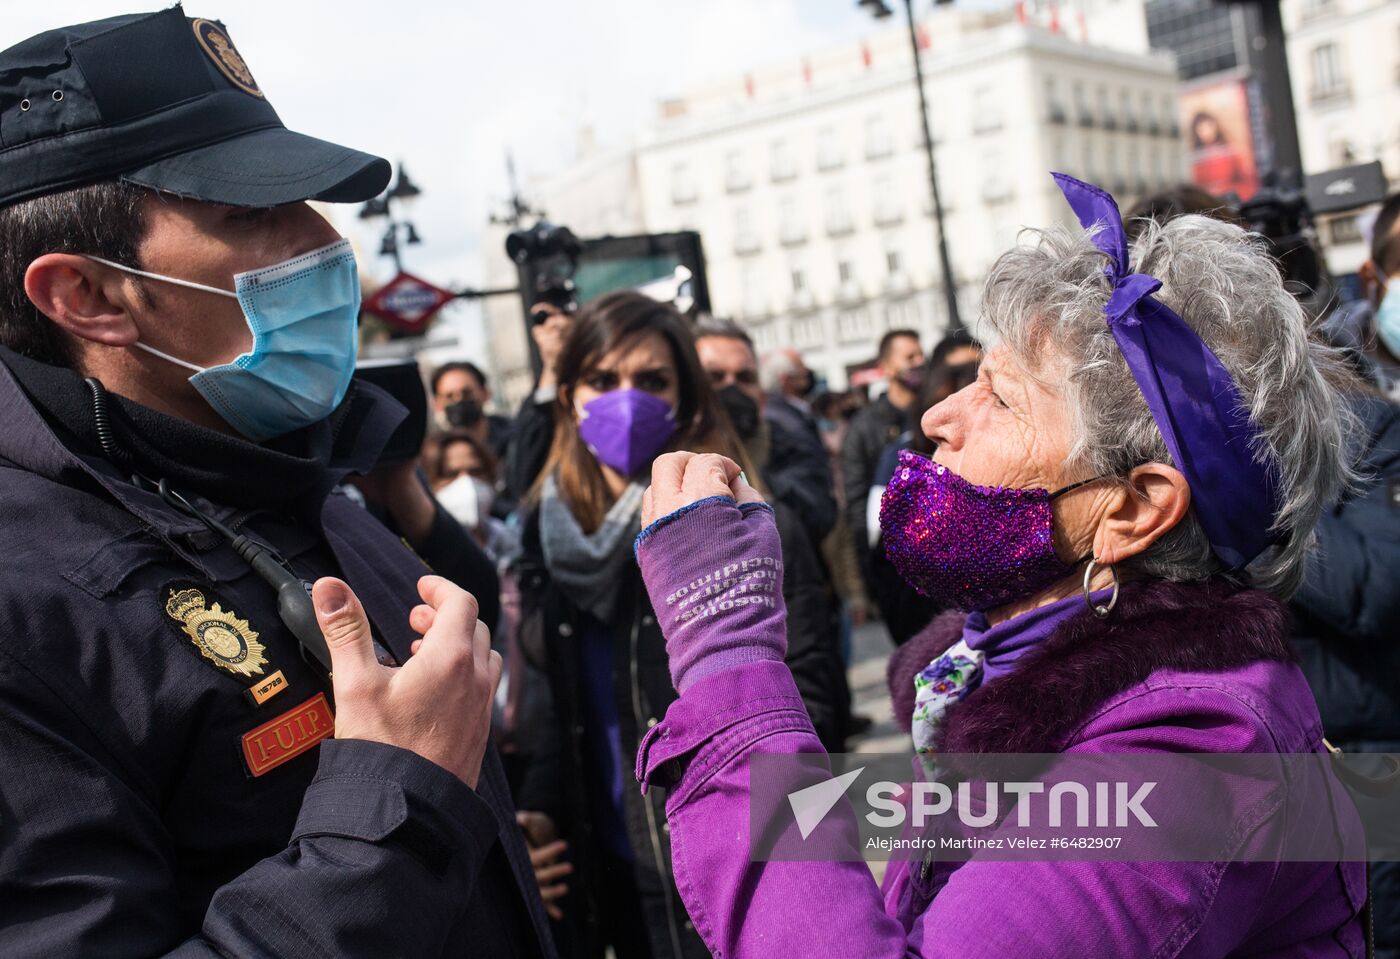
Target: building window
column 996, row 186
column 892, row 261
column 1345, row 229
column 751, row 284
column 1329, row 81
column 807, row 331
column 1083, row 113
column 1106, row 115
column 986, row 110
column 830, row 156
column 736, row 174
column 1149, row 116
column 888, row 210
column 853, row 325
column 838, row 214
column 745, row 239
column 879, row 142
column 782, row 165
column 1125, row 111
column 791, row 227
column 1054, row 108
column 683, row 188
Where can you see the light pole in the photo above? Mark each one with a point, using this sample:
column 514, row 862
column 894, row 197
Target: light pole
column 880, row 10
column 403, row 189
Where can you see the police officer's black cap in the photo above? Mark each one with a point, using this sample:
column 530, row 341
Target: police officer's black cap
column 163, row 101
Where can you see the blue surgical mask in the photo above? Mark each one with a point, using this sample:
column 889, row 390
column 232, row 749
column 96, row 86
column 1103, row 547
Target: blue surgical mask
column 1388, row 316
column 302, row 314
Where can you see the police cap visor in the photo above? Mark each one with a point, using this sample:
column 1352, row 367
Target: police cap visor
column 164, row 101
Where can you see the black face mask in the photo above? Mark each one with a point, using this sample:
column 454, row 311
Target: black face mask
column 742, row 410
column 464, row 413
column 806, row 385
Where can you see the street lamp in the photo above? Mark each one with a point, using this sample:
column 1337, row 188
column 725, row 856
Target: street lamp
column 880, row 10
column 403, row 190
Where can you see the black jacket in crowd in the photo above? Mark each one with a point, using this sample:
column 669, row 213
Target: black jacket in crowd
column 132, row 822
column 1346, row 623
column 554, row 737
column 872, row 429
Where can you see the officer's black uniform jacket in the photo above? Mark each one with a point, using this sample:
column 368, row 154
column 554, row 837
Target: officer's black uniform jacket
column 129, row 825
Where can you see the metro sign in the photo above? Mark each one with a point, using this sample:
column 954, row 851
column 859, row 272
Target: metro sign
column 407, row 303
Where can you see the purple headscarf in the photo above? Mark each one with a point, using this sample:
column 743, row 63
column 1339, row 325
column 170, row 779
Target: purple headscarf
column 1193, row 398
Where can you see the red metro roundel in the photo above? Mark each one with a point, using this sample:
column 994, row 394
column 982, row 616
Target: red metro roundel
column 407, row 303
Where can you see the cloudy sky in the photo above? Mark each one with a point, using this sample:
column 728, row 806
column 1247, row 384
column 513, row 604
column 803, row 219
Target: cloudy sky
column 448, row 87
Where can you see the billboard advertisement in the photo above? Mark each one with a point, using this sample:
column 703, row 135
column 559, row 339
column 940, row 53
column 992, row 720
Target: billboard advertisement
column 1216, row 119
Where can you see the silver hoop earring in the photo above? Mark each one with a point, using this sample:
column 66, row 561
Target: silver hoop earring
column 1102, row 612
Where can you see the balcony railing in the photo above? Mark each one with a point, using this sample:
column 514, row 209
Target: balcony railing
column 1335, row 92
column 792, row 235
column 839, row 224
column 746, row 243
column 889, row 214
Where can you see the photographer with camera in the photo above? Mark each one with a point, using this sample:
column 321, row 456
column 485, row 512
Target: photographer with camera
column 533, row 428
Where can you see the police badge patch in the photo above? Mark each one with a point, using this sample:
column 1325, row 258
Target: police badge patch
column 224, row 639
column 221, row 50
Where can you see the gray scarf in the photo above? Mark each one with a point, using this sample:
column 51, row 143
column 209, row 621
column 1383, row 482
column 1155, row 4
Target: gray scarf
column 588, row 566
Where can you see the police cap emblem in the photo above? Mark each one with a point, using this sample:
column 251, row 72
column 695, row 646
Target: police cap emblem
column 224, row 639
column 221, row 50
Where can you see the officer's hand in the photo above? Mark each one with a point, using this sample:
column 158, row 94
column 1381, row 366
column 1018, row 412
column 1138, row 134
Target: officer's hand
column 679, row 479
column 438, row 704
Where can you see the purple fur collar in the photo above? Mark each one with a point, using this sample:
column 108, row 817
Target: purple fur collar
column 1196, row 627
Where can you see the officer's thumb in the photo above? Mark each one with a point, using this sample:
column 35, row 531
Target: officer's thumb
column 344, row 625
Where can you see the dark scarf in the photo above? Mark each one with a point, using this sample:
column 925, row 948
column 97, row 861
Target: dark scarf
column 1198, row 627
column 290, row 470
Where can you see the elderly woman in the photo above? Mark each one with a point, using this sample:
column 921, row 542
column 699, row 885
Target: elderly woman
column 1118, row 502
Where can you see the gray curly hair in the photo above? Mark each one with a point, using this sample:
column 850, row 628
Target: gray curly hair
column 1045, row 301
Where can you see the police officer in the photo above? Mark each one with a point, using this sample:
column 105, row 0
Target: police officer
column 179, row 772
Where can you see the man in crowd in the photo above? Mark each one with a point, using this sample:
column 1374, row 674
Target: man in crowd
column 900, row 361
column 460, row 398
column 1380, row 278
column 171, row 782
column 805, row 508
column 788, row 383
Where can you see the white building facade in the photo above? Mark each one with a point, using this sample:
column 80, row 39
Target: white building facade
column 809, row 184
column 1344, row 61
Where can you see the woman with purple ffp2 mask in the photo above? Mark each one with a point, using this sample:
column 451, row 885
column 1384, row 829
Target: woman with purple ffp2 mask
column 630, row 388
column 1117, row 505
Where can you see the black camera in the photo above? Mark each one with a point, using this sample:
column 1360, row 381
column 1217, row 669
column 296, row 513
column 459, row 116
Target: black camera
column 1281, row 214
column 548, row 259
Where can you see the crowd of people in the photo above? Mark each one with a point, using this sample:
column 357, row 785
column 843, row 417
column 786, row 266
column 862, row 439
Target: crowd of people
column 265, row 690
column 628, row 379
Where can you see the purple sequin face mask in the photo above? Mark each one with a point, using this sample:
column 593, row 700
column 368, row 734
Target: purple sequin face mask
column 973, row 547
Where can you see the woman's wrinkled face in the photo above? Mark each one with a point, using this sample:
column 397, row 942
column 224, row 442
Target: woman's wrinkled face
column 645, row 364
column 1013, row 430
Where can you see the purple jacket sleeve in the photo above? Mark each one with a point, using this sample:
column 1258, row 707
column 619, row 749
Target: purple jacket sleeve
column 701, row 752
